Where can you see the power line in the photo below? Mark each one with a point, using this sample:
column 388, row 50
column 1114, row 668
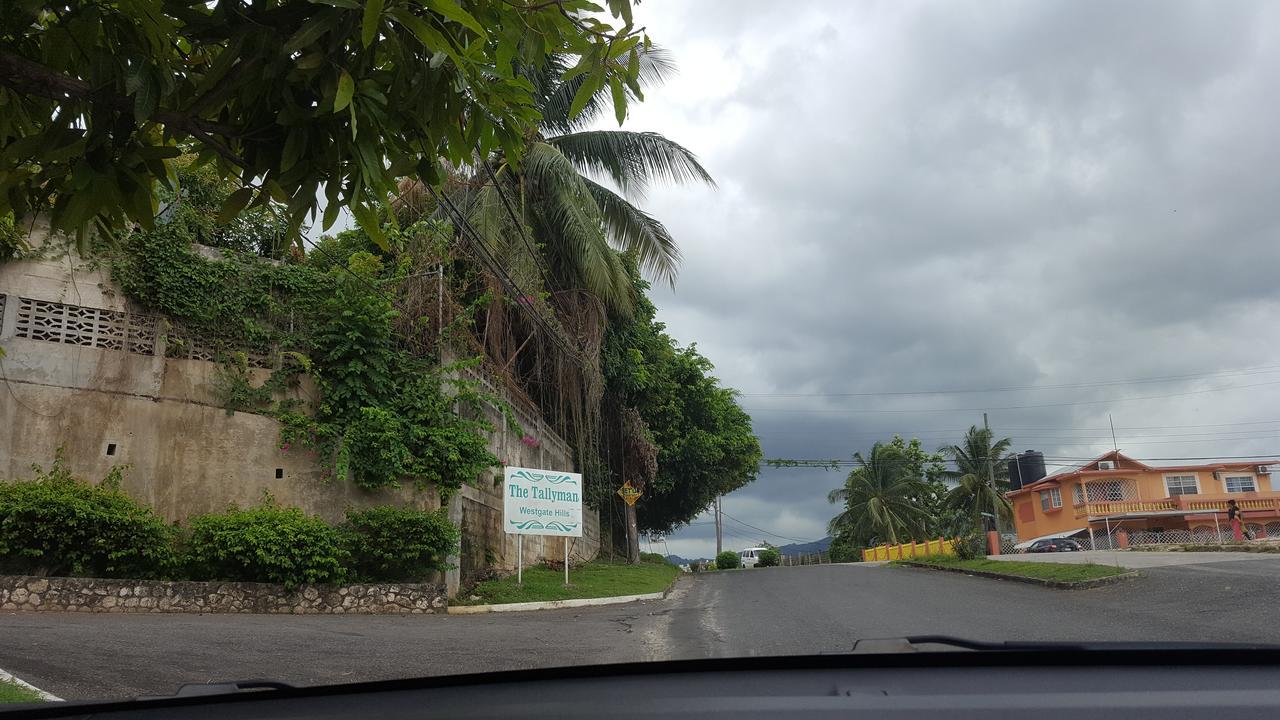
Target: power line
column 1259, row 370
column 533, row 251
column 1057, row 461
column 766, row 532
column 1013, row 407
column 1007, row 429
column 477, row 243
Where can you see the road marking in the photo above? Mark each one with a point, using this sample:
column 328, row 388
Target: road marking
column 46, row 696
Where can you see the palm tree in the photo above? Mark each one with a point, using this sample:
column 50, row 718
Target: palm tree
column 880, row 499
column 578, row 221
column 978, row 459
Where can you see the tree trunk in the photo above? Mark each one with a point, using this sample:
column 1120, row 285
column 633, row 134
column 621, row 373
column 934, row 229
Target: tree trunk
column 633, row 536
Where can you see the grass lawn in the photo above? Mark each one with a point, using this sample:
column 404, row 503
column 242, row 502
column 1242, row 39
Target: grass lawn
column 1061, row 572
column 11, row 693
column 593, row 580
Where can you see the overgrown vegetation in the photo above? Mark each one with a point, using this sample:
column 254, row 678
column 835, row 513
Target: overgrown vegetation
column 398, row 544
column 728, row 560
column 386, row 412
column 528, row 246
column 56, row 524
column 12, row 242
column 1060, row 572
column 699, row 441
column 591, row 580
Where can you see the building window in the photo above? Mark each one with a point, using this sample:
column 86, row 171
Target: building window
column 1077, row 492
column 1050, row 499
column 1182, row 485
column 1240, row 483
column 1110, row 490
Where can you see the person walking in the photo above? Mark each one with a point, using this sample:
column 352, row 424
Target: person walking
column 1234, row 516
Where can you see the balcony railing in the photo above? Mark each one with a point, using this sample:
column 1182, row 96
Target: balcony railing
column 1190, row 503
column 1125, row 506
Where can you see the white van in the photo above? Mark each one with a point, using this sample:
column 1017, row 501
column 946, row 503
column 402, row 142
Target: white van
column 751, row 556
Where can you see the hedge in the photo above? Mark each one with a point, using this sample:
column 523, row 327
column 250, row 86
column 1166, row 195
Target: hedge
column 57, row 524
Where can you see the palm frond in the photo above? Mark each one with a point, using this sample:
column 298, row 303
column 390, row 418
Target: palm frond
column 632, row 229
column 656, row 65
column 632, row 160
column 568, row 223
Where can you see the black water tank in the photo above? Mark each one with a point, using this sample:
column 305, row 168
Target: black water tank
column 1031, row 466
column 1015, row 476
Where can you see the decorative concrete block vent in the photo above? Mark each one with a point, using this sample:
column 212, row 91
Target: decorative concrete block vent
column 58, row 594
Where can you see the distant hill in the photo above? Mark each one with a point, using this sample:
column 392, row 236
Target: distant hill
column 792, row 549
column 809, row 547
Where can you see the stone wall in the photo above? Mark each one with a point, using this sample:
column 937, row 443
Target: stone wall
column 155, row 596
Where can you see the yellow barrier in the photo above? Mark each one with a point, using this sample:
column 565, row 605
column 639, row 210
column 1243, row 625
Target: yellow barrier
column 902, row 551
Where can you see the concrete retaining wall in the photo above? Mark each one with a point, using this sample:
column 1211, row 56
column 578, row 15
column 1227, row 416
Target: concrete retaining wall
column 156, row 596
column 100, row 380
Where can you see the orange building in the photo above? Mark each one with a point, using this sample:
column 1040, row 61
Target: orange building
column 1115, row 492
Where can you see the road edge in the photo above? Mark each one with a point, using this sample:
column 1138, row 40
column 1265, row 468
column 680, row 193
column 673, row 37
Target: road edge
column 45, row 696
column 558, row 604
column 1055, row 584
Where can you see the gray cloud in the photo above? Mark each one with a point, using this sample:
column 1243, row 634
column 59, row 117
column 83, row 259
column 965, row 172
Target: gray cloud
column 973, row 195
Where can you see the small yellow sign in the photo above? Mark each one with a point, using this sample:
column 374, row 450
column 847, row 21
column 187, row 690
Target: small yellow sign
column 628, row 493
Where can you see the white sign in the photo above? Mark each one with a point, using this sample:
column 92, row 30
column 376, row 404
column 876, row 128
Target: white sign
column 542, row 502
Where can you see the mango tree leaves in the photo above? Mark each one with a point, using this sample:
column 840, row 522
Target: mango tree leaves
column 294, row 98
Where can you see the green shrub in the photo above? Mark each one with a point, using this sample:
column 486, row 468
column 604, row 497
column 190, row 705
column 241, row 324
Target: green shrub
column 728, row 560
column 844, row 549
column 264, row 544
column 398, row 544
column 769, row 557
column 971, row 545
column 654, row 558
column 58, row 525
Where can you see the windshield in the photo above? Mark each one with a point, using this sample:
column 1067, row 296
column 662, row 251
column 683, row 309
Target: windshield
column 345, row 341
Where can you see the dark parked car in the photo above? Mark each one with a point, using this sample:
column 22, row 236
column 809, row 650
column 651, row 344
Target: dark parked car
column 1054, row 545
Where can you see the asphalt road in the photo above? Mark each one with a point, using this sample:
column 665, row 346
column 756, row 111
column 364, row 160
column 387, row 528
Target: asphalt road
column 754, row 612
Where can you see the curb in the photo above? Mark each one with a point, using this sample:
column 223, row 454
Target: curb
column 557, row 604
column 45, row 696
column 551, row 604
column 1056, row 584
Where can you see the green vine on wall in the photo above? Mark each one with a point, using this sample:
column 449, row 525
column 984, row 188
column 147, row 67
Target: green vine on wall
column 384, row 415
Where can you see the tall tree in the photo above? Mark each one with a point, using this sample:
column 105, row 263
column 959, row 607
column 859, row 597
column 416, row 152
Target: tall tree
column 577, row 220
column 978, row 459
column 290, row 98
column 704, row 440
column 881, row 498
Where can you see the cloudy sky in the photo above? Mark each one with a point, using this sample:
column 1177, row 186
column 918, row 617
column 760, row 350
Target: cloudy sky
column 968, row 196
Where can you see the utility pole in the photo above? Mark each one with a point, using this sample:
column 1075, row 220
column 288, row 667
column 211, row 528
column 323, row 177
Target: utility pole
column 719, row 537
column 991, row 474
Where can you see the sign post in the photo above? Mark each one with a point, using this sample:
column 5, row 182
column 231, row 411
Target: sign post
column 628, row 493
column 541, row 502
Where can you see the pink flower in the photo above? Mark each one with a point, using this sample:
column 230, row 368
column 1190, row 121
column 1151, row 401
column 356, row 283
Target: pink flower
column 285, row 446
